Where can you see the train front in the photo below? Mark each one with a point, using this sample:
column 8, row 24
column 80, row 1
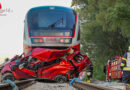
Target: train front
column 51, row 27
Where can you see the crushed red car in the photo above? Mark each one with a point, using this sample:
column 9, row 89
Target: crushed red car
column 53, row 64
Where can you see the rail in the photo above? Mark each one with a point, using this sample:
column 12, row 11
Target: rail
column 88, row 86
column 20, row 84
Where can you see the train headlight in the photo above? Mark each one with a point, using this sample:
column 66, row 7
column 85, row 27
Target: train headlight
column 65, row 40
column 37, row 40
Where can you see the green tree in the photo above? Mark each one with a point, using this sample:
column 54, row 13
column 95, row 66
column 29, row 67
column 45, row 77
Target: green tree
column 6, row 59
column 106, row 31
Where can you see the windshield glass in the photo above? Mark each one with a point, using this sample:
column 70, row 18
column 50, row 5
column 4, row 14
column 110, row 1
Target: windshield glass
column 58, row 20
column 51, row 23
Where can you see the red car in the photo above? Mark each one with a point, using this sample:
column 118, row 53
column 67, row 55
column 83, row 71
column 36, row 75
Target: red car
column 58, row 65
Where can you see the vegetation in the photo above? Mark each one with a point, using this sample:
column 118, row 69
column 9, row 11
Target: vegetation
column 105, row 30
column 6, row 60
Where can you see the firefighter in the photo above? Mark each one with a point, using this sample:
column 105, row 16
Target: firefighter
column 89, row 73
column 125, row 65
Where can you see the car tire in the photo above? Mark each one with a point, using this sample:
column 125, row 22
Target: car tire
column 61, row 79
column 9, row 76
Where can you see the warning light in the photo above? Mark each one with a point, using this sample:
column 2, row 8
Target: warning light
column 40, row 40
column 62, row 40
column 37, row 40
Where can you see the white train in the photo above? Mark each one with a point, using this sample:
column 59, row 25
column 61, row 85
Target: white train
column 51, row 27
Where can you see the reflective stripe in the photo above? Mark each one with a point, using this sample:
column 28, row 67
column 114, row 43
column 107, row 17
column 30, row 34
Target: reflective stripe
column 126, row 68
column 128, row 59
column 122, row 64
column 88, row 73
column 124, row 59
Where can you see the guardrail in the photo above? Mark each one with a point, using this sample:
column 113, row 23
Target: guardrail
column 88, row 86
column 20, row 84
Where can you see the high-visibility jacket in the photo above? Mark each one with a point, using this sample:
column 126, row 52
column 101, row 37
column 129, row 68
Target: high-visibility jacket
column 126, row 61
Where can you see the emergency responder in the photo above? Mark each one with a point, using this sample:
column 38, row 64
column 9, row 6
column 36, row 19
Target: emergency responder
column 125, row 65
column 89, row 73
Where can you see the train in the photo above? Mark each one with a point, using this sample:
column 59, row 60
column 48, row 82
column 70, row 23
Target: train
column 53, row 27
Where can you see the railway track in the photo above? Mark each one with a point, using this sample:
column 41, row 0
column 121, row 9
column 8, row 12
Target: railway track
column 44, row 84
column 90, row 86
column 20, row 84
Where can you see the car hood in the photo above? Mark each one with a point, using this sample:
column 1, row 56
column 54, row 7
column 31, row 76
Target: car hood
column 48, row 54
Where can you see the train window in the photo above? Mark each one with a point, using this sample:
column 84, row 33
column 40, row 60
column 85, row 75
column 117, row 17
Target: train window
column 57, row 21
column 42, row 22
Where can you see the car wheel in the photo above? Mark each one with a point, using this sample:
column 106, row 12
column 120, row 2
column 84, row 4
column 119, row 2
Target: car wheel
column 9, row 76
column 61, row 79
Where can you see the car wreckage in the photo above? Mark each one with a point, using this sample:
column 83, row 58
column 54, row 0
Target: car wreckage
column 52, row 64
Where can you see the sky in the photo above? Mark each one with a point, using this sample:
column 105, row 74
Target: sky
column 12, row 23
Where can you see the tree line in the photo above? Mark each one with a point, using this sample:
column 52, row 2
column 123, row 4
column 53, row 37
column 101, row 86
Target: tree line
column 105, row 30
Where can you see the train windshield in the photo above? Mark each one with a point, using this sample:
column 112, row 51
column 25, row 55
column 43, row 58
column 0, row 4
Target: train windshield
column 51, row 23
